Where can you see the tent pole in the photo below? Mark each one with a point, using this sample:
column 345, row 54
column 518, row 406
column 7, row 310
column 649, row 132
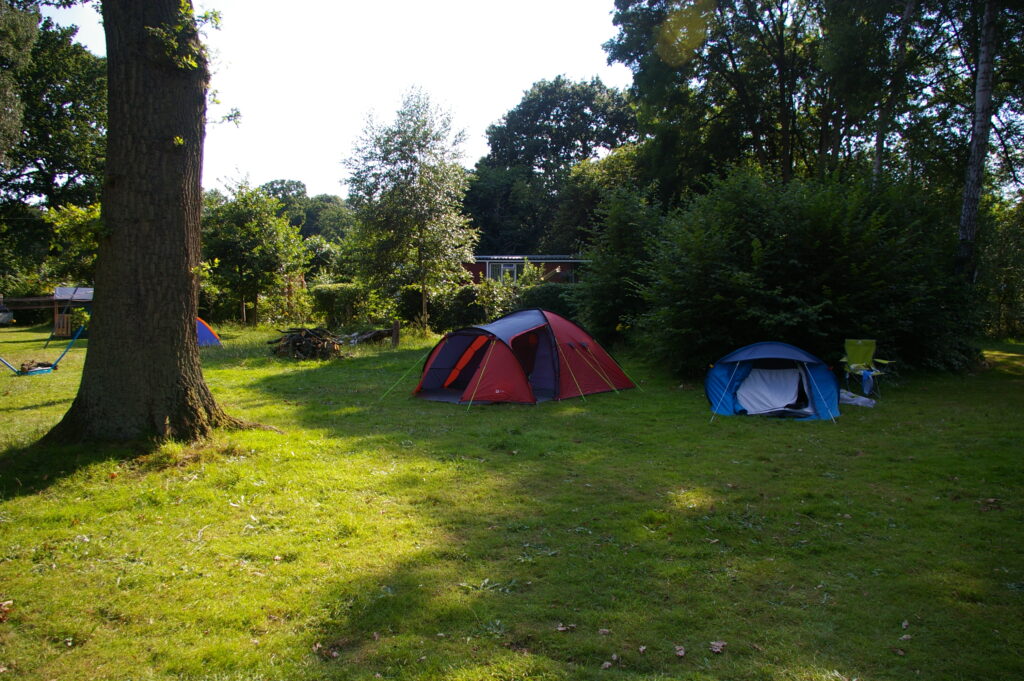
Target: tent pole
column 714, row 412
column 597, row 365
column 620, row 369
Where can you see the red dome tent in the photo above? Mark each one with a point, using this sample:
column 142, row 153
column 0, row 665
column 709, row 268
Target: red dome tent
column 527, row 357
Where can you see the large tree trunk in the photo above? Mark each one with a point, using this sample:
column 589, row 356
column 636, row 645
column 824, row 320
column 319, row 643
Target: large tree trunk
column 142, row 376
column 965, row 264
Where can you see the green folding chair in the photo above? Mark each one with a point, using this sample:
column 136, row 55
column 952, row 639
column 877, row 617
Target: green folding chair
column 860, row 361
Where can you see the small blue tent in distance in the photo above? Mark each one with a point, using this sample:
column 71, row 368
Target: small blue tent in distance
column 205, row 334
column 772, row 379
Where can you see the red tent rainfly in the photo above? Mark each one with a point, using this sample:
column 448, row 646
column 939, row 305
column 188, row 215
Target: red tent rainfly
column 525, row 357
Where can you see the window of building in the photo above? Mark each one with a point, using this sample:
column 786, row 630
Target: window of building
column 500, row 270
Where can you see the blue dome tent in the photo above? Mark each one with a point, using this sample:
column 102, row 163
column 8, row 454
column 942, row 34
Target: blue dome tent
column 205, row 334
column 772, row 379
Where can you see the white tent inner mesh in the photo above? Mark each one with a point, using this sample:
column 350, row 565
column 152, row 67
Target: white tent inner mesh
column 770, row 390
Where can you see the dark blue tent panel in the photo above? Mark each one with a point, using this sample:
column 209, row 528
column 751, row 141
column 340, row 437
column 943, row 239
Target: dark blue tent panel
column 205, row 334
column 772, row 378
column 770, row 349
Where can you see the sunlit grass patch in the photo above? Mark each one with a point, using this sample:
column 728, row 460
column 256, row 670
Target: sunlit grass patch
column 694, row 500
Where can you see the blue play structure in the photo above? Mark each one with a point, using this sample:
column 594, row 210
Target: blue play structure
column 772, row 379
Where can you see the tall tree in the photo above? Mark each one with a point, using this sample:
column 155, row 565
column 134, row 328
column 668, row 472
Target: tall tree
column 329, row 216
column 816, row 87
column 727, row 77
column 896, row 89
column 254, row 246
column 406, row 187
column 17, row 34
column 978, row 152
column 558, row 123
column 142, row 376
column 292, row 199
column 59, row 157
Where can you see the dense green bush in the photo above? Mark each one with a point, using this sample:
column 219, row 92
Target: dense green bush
column 410, row 304
column 481, row 303
column 352, row 303
column 555, row 297
column 458, row 309
column 451, row 309
column 608, row 297
column 809, row 263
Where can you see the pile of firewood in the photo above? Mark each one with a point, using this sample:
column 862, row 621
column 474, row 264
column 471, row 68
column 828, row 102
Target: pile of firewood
column 307, row 344
column 319, row 343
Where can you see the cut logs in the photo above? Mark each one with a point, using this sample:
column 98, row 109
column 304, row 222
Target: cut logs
column 307, row 344
column 319, row 343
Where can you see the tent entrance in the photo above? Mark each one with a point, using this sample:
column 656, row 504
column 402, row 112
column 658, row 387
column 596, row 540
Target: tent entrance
column 452, row 365
column 775, row 387
column 461, row 374
column 534, row 351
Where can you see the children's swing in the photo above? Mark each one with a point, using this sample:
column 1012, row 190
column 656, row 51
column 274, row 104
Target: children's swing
column 34, row 368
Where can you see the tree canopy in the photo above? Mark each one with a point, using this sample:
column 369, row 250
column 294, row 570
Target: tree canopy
column 514, row 193
column 58, row 159
column 17, row 35
column 810, row 87
column 406, row 187
column 559, row 123
column 251, row 247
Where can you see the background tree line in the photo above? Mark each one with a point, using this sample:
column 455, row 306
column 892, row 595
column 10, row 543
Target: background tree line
column 804, row 169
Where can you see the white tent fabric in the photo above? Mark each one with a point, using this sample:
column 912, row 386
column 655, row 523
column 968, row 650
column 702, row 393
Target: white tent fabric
column 769, row 390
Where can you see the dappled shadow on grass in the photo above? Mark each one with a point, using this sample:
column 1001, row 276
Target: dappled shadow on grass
column 42, row 352
column 53, row 351
column 422, row 540
column 568, row 583
column 575, row 533
column 1006, row 357
column 7, row 333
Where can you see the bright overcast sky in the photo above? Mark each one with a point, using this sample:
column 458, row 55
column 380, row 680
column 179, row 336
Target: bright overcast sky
column 306, row 75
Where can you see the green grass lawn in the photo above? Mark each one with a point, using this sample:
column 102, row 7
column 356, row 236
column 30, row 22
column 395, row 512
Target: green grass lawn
column 588, row 539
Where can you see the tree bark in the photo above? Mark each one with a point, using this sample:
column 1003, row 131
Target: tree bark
column 142, row 376
column 965, row 261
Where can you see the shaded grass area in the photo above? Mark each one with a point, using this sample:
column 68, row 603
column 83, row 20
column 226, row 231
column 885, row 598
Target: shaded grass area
column 583, row 539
